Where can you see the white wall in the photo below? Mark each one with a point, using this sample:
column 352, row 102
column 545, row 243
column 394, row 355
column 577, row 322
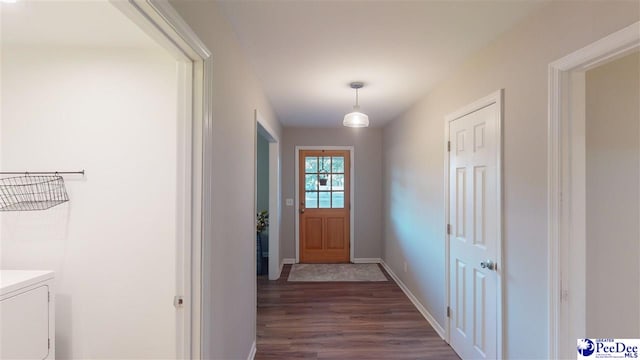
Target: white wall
column 367, row 175
column 236, row 96
column 413, row 156
column 111, row 111
column 612, row 204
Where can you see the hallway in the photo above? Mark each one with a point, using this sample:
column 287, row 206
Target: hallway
column 484, row 153
column 359, row 320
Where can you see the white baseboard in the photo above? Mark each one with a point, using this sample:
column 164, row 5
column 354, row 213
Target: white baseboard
column 279, row 271
column 252, row 353
column 432, row 321
column 367, row 261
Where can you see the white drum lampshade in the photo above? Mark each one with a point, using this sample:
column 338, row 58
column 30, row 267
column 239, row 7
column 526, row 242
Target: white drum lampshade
column 356, row 119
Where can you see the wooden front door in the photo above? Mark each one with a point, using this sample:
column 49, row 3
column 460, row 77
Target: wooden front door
column 324, row 183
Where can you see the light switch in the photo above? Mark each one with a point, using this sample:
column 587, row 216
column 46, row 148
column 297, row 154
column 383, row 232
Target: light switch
column 288, row 202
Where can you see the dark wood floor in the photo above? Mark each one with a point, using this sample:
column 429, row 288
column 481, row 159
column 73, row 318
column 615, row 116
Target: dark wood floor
column 339, row 320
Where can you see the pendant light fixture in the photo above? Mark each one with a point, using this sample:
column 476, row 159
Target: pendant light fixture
column 356, row 118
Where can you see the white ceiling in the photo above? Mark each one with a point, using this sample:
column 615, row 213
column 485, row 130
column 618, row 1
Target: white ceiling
column 69, row 23
column 307, row 52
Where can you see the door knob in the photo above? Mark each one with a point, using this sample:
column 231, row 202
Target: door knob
column 488, row 264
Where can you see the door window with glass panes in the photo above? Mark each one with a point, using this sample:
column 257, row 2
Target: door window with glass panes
column 324, row 182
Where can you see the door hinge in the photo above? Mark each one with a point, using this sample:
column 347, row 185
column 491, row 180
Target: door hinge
column 49, row 296
column 448, row 312
column 448, row 145
column 48, row 343
column 178, row 301
column 448, row 229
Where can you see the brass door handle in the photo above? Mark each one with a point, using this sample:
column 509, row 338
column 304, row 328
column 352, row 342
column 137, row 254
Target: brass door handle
column 301, row 210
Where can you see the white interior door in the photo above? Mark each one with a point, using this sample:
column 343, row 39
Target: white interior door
column 474, row 213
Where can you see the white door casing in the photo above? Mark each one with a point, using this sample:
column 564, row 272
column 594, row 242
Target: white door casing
column 474, row 230
column 566, row 185
column 194, row 236
column 274, row 194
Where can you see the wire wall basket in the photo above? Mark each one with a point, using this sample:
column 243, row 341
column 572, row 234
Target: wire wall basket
column 30, row 193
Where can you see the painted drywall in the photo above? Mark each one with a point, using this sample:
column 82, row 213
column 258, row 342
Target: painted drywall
column 413, row 148
column 262, row 187
column 367, row 174
column 231, row 317
column 612, row 208
column 112, row 112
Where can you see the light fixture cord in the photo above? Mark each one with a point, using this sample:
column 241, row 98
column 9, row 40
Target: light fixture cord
column 357, row 105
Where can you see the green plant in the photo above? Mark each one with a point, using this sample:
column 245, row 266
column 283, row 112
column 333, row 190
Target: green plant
column 262, row 221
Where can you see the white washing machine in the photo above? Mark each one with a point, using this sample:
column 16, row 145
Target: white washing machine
column 27, row 321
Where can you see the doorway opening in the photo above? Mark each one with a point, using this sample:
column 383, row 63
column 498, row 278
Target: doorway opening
column 262, row 204
column 267, row 198
column 585, row 175
column 164, row 132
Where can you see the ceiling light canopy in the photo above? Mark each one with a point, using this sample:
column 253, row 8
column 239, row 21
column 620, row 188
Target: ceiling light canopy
column 356, row 118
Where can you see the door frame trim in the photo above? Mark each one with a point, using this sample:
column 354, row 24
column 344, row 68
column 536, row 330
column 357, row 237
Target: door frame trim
column 275, row 210
column 560, row 160
column 351, row 195
column 494, row 98
column 163, row 23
